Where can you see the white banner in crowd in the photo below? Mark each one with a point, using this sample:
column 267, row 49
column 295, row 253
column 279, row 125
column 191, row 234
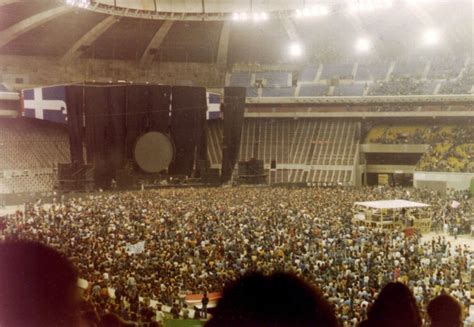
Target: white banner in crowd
column 455, row 204
column 136, row 248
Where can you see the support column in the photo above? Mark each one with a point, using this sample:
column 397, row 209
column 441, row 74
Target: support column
column 30, row 23
column 223, row 48
column 155, row 43
column 88, row 39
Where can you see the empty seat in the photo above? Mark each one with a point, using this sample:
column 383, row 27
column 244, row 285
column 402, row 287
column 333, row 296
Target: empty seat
column 349, row 90
column 308, row 90
column 252, row 92
column 243, row 79
column 278, row 92
column 272, row 79
column 334, row 70
column 308, row 74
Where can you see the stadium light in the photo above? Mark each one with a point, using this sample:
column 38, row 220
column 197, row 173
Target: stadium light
column 79, row 3
column 315, row 11
column 236, row 16
column 431, row 37
column 363, row 44
column 368, row 6
column 296, row 50
column 257, row 17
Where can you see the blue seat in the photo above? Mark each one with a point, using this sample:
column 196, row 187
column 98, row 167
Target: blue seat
column 252, row 92
column 341, row 71
column 313, row 90
column 278, row 92
column 275, row 79
column 349, row 90
column 241, row 79
column 308, row 74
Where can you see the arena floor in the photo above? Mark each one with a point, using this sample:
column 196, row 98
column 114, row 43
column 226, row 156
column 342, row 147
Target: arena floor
column 461, row 239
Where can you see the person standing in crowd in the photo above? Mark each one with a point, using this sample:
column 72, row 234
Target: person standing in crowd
column 204, row 302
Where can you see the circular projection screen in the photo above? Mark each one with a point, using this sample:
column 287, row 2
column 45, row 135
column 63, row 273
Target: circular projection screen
column 153, row 152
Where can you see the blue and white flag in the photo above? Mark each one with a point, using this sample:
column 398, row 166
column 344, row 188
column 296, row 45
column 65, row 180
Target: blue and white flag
column 47, row 103
column 213, row 105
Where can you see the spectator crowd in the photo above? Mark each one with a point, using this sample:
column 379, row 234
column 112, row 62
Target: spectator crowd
column 152, row 248
column 451, row 146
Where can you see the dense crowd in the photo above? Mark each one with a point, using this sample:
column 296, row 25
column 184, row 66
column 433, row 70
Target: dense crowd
column 196, row 240
column 451, row 147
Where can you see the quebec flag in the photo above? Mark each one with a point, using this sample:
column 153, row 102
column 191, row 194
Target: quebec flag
column 213, row 105
column 47, row 103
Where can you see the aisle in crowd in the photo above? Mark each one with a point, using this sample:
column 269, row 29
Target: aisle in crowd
column 196, row 240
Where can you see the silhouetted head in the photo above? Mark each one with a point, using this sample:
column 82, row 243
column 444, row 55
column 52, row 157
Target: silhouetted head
column 38, row 286
column 112, row 320
column 445, row 311
column 277, row 300
column 395, row 306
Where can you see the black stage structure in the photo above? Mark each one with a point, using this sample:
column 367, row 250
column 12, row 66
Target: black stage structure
column 123, row 134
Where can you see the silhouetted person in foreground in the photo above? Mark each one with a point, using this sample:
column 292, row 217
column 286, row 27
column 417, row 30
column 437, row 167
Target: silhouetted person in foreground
column 112, row 320
column 394, row 307
column 38, row 287
column 444, row 311
column 277, row 300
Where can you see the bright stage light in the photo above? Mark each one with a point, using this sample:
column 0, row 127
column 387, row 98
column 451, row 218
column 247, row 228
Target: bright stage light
column 296, row 50
column 368, row 6
column 363, row 44
column 262, row 16
column 79, row 3
column 315, row 11
column 431, row 37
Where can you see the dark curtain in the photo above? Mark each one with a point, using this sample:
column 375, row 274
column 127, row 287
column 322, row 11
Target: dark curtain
column 116, row 116
column 75, row 108
column 188, row 116
column 97, row 116
column 234, row 106
column 159, row 108
column 137, row 115
column 116, row 128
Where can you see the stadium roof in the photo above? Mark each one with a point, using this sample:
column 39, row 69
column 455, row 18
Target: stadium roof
column 392, row 204
column 195, row 31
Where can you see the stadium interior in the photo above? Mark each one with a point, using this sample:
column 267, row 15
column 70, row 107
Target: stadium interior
column 168, row 148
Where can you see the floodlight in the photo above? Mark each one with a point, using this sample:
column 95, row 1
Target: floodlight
column 363, row 44
column 431, row 37
column 296, row 50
